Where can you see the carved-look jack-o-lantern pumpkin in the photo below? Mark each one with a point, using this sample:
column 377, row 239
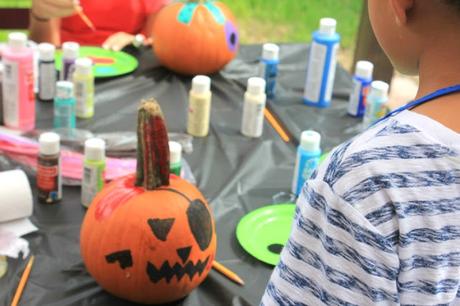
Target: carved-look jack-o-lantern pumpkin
column 149, row 237
column 195, row 37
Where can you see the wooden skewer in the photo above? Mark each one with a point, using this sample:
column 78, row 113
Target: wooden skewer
column 274, row 123
column 85, row 18
column 23, row 282
column 227, row 273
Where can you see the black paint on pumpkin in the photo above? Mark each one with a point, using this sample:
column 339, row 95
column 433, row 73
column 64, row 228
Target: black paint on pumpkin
column 124, row 258
column 184, row 253
column 167, row 272
column 161, row 227
column 200, row 223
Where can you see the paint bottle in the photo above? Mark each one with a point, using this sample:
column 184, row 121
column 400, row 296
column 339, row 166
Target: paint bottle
column 2, row 69
column 70, row 52
column 64, row 106
column 199, row 111
column 377, row 103
column 49, row 169
column 253, row 109
column 322, row 64
column 308, row 156
column 175, row 157
column 268, row 67
column 93, row 170
column 361, row 84
column 18, row 84
column 83, row 80
column 46, row 72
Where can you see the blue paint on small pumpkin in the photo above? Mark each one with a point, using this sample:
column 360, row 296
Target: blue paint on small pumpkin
column 186, row 13
column 215, row 12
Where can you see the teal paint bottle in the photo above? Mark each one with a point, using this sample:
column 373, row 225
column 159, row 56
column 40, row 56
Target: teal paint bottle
column 322, row 64
column 64, row 106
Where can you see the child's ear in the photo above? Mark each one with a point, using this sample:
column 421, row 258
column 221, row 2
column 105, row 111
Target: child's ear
column 401, row 9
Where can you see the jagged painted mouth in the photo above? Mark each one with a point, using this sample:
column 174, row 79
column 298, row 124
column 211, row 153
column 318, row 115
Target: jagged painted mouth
column 167, row 272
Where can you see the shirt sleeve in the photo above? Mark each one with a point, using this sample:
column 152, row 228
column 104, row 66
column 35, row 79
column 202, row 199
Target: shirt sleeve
column 334, row 256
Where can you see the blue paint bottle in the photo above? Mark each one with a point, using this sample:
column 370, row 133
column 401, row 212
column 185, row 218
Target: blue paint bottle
column 64, row 106
column 308, row 155
column 361, row 83
column 268, row 68
column 321, row 64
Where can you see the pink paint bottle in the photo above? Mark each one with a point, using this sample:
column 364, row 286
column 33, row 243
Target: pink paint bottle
column 18, row 84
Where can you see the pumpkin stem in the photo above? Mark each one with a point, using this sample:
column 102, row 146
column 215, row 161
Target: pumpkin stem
column 152, row 147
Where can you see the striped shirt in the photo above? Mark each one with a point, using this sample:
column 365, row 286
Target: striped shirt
column 378, row 223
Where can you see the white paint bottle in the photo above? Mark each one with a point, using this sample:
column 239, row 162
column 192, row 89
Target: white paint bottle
column 253, row 109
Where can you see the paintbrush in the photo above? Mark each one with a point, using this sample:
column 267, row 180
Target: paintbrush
column 83, row 17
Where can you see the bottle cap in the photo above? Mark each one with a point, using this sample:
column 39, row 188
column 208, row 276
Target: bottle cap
column 64, row 90
column 256, row 86
column 49, row 143
column 46, row 51
column 17, row 40
column 364, row 70
column 70, row 50
column 379, row 90
column 310, row 140
column 95, row 149
column 84, row 65
column 327, row 26
column 270, row 52
column 201, row 84
column 175, row 152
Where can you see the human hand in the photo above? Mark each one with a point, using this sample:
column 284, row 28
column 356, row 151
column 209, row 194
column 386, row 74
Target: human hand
column 47, row 9
column 119, row 40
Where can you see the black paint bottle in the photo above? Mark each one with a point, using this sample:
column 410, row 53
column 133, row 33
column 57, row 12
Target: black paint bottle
column 49, row 169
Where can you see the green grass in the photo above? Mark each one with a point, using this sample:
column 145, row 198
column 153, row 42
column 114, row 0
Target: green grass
column 294, row 20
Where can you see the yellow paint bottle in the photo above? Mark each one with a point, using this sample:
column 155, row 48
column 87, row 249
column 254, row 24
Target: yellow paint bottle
column 199, row 111
column 83, row 79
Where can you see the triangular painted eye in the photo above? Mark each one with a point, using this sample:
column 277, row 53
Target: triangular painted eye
column 161, row 227
column 200, row 223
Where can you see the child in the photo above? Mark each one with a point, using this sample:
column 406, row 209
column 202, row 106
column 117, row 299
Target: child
column 379, row 223
column 118, row 23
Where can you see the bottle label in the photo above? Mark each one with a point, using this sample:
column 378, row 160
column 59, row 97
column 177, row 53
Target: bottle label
column 357, row 102
column 93, row 182
column 331, row 74
column 84, row 95
column 315, row 72
column 68, row 68
column 305, row 166
column 253, row 119
column 269, row 71
column 198, row 116
column 64, row 115
column 11, row 96
column 49, row 180
column 47, row 81
column 374, row 111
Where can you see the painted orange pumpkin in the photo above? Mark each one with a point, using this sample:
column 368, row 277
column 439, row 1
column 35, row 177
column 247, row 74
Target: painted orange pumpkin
column 150, row 237
column 195, row 37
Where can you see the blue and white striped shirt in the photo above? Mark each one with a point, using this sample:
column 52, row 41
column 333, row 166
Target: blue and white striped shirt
column 378, row 223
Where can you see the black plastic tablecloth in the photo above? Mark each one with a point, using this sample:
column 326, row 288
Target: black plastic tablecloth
column 236, row 174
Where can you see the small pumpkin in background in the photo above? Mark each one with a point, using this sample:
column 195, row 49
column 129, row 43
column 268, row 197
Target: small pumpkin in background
column 195, row 36
column 149, row 237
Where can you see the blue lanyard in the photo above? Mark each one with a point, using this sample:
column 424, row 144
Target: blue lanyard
column 438, row 93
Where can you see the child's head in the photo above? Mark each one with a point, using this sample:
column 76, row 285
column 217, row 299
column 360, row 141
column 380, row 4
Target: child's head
column 406, row 29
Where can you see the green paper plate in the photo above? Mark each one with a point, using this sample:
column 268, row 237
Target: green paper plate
column 106, row 63
column 264, row 231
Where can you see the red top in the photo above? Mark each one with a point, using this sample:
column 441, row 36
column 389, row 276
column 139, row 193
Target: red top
column 109, row 17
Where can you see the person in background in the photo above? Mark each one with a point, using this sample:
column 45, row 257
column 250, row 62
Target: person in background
column 117, row 23
column 379, row 222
